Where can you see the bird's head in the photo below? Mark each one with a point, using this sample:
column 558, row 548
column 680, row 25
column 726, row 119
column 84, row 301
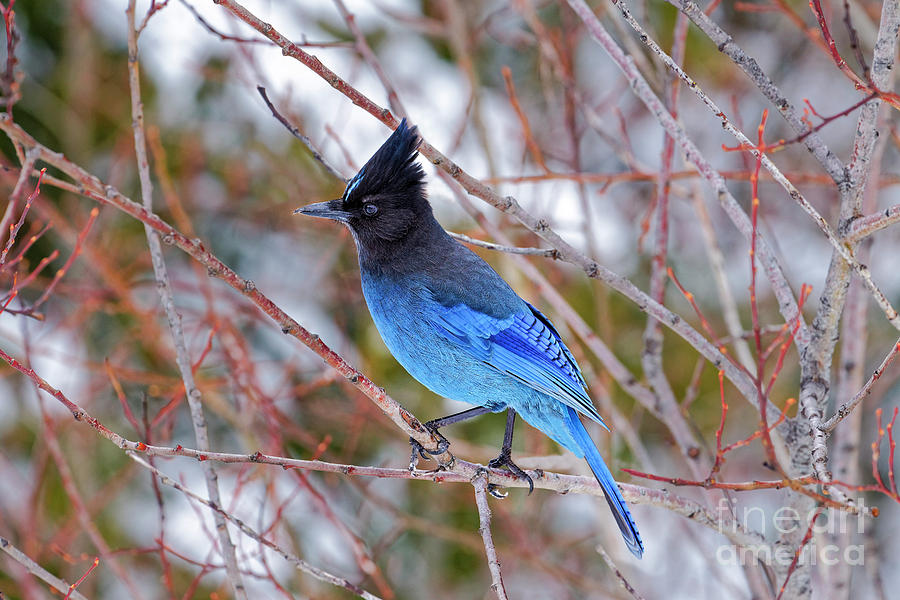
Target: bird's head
column 384, row 202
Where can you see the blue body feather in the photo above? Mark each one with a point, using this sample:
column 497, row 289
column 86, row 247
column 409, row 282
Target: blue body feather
column 512, row 357
column 455, row 324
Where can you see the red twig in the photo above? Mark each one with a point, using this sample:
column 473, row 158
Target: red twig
column 20, row 253
column 722, row 451
column 779, row 364
column 762, row 396
column 68, row 264
column 14, row 229
column 123, row 401
column 876, row 454
column 861, row 83
column 37, row 271
column 811, row 128
column 154, row 8
column 754, row 213
column 744, row 486
column 10, row 85
column 746, row 441
column 533, row 148
column 798, row 485
column 761, row 355
column 83, row 577
column 720, row 455
column 206, row 349
column 221, row 35
column 12, row 294
column 704, row 322
column 893, row 446
column 754, row 8
column 816, row 7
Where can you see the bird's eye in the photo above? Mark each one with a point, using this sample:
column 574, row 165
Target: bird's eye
column 370, row 209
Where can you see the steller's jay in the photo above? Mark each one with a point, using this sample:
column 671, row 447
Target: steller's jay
column 457, row 326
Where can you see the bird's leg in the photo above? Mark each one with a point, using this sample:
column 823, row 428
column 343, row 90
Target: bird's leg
column 505, row 460
column 442, row 442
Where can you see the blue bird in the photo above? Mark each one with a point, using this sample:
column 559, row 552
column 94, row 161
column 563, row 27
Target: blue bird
column 455, row 324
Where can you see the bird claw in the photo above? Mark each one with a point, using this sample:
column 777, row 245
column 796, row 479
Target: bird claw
column 494, row 490
column 504, row 460
column 419, row 451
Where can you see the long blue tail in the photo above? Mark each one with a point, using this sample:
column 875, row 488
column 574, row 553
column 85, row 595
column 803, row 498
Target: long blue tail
column 610, row 488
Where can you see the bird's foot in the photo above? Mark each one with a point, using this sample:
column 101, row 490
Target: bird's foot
column 419, row 451
column 504, row 460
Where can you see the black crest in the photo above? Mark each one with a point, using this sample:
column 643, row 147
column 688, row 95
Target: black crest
column 392, row 170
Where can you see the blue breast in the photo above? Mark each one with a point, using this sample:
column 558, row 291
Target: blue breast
column 398, row 310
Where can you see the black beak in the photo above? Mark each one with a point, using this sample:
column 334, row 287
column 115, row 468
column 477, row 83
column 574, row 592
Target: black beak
column 333, row 209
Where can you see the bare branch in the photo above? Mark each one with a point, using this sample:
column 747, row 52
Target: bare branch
column 726, row 45
column 847, row 255
column 299, row 135
column 479, row 482
column 626, row 585
column 362, row 46
column 40, row 572
column 182, row 358
column 848, row 407
column 869, row 224
column 298, row 563
column 786, row 301
column 547, row 253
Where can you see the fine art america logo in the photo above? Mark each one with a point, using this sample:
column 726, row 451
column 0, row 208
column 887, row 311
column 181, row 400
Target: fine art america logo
column 826, row 527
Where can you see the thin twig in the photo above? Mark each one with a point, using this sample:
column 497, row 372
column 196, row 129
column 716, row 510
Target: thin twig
column 727, row 46
column 848, row 407
column 182, row 358
column 362, row 46
column 780, row 286
column 546, row 252
column 846, row 254
column 84, row 518
column 222, row 36
column 299, row 135
column 12, row 202
column 717, row 265
column 40, row 572
column 479, row 482
column 14, row 229
column 626, row 585
column 60, row 273
column 9, row 81
column 869, row 224
column 299, row 563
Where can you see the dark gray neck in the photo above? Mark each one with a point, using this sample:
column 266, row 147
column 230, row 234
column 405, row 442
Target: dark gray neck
column 423, row 246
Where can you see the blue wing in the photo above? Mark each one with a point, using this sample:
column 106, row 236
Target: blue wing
column 525, row 346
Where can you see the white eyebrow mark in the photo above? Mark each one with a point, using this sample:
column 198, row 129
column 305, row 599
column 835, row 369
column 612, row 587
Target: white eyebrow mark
column 353, row 183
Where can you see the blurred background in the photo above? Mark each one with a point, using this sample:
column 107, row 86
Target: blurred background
column 561, row 132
